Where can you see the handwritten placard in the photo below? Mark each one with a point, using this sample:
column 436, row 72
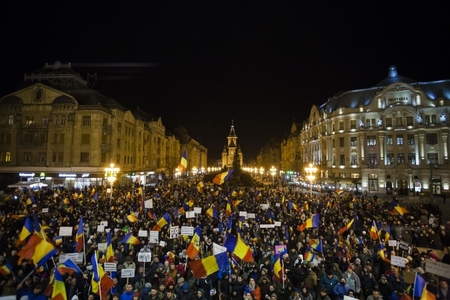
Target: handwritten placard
column 144, row 257
column 173, row 232
column 392, row 243
column 398, row 261
column 104, row 223
column 242, row 214
column 100, row 228
column 45, row 210
column 102, row 246
column 65, row 231
column 187, row 230
column 149, row 203
column 142, row 233
column 154, row 237
column 437, row 268
column 197, row 210
column 110, row 267
column 127, row 273
column 75, row 257
column 277, row 223
column 267, row 226
column 190, row 214
column 251, row 215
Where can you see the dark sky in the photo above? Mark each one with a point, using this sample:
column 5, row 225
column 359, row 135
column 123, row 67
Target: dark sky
column 199, row 66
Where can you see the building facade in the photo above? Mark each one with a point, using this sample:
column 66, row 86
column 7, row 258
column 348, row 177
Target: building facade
column 231, row 149
column 388, row 139
column 57, row 130
column 197, row 154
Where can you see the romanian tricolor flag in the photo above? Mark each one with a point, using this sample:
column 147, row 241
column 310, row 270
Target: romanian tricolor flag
column 292, row 205
column 306, row 206
column 222, row 177
column 200, row 186
column 228, row 210
column 99, row 279
column 346, row 227
column 258, row 194
column 42, row 253
column 316, row 244
column 194, row 247
column 59, row 287
column 387, row 235
column 212, row 212
column 374, row 231
column 236, row 202
column 420, row 289
column 109, row 249
column 382, row 254
column 165, row 219
column 132, row 218
column 209, row 265
column 79, row 236
column 151, row 215
column 27, row 229
column 130, row 239
column 183, row 163
column 314, row 221
column 190, row 202
column 309, row 255
column 400, row 210
column 238, row 247
column 6, row 269
column 278, row 269
column 68, row 267
column 58, row 240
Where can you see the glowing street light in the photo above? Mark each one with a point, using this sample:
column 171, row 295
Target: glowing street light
column 310, row 171
column 272, row 172
column 261, row 171
column 111, row 175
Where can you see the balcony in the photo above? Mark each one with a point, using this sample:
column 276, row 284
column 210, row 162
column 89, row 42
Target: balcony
column 106, row 129
column 106, row 147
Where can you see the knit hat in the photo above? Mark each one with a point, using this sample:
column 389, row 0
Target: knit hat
column 382, row 277
column 148, row 285
column 357, row 261
column 185, row 286
column 180, row 280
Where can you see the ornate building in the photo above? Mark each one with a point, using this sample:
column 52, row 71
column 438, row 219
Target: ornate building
column 390, row 138
column 231, row 148
column 57, row 130
column 195, row 152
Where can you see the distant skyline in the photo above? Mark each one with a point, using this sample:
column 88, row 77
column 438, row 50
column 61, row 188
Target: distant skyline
column 260, row 64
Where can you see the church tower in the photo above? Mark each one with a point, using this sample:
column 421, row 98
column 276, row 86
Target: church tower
column 231, row 148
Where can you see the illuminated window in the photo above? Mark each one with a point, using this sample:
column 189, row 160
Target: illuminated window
column 354, row 175
column 353, row 141
column 371, row 140
column 389, row 158
column 10, row 120
column 400, row 139
column 412, row 158
column 410, row 139
column 401, row 158
column 29, row 120
column 432, row 159
column 8, row 157
column 389, row 141
column 354, row 160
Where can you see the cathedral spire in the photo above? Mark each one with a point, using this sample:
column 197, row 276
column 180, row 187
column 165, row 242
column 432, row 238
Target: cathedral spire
column 232, row 132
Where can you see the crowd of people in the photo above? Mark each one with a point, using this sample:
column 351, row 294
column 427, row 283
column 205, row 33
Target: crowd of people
column 349, row 262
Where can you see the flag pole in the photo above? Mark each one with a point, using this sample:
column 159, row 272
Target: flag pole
column 282, row 270
column 99, row 279
column 84, row 248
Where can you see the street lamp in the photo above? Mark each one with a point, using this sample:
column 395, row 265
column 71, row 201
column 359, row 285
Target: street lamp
column 110, row 174
column 310, row 176
column 272, row 172
column 261, row 171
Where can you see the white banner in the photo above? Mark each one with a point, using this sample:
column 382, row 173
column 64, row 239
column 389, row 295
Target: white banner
column 154, row 237
column 187, row 230
column 104, row 223
column 197, row 210
column 251, row 215
column 102, row 247
column 142, row 233
column 45, row 210
column 264, row 206
column 149, row 203
column 100, row 228
column 173, row 232
column 190, row 214
column 217, row 249
column 437, row 268
column 127, row 273
column 242, row 214
column 65, row 231
column 75, row 257
column 267, row 226
column 277, row 223
column 392, row 243
column 398, row 261
column 110, row 267
column 144, row 256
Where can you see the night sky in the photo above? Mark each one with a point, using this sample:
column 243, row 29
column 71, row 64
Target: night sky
column 200, row 66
